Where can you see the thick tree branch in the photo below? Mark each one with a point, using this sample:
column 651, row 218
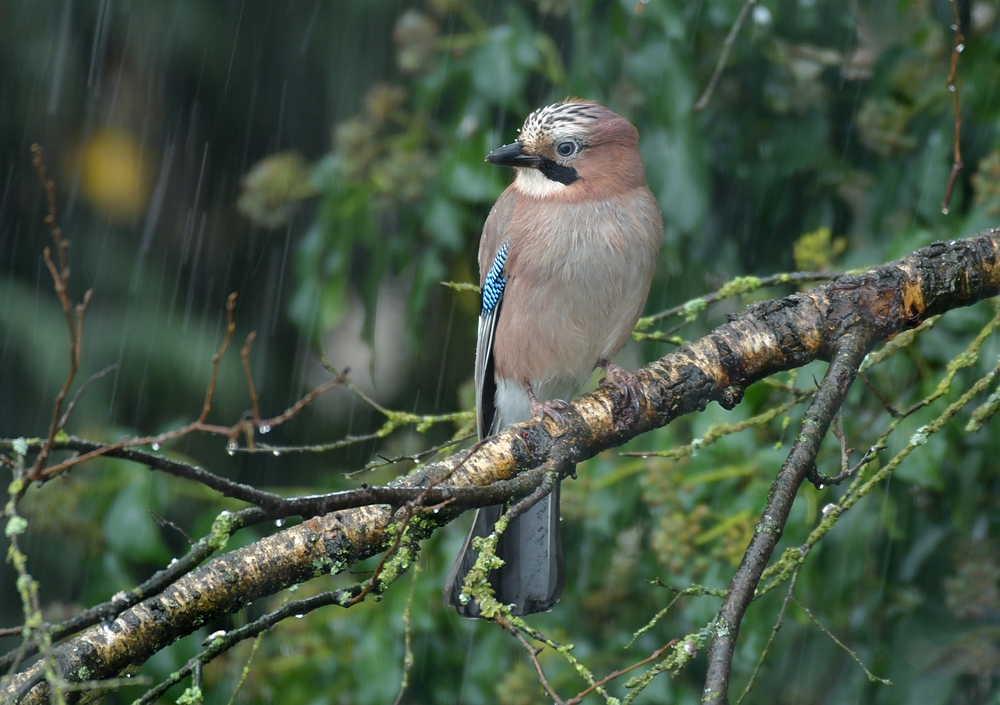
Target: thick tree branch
column 802, row 458
column 305, row 506
column 767, row 338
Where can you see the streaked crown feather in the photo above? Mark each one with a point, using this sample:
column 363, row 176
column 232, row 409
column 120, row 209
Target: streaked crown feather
column 568, row 118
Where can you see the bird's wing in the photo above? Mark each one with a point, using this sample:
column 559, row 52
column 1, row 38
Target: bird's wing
column 493, row 276
column 492, row 301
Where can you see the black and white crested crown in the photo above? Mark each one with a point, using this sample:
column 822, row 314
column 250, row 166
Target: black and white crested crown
column 569, row 118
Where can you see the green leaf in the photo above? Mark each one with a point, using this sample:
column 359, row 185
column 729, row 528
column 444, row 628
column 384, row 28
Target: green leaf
column 476, row 183
column 443, row 222
column 129, row 526
column 677, row 175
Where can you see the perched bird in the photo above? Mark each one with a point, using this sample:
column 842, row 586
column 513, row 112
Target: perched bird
column 566, row 259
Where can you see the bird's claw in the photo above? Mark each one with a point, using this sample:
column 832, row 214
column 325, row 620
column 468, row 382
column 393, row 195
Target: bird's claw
column 550, row 407
column 627, row 385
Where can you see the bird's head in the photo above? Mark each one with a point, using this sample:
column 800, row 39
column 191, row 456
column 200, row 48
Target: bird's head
column 573, row 149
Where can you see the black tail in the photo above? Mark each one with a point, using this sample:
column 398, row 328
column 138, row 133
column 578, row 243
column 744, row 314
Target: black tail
column 532, row 576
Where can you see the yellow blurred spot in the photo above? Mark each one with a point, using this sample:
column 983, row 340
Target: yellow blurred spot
column 815, row 251
column 115, row 176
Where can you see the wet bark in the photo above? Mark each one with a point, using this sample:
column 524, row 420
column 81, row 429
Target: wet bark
column 840, row 321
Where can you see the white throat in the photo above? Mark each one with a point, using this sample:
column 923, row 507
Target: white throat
column 532, row 182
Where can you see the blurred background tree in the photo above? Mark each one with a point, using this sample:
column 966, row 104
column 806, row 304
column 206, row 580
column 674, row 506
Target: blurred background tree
column 324, row 159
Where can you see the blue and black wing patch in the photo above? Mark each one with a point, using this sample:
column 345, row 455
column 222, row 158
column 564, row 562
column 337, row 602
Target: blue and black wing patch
column 492, row 300
column 495, row 281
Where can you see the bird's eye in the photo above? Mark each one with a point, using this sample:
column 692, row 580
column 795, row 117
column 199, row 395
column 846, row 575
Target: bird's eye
column 566, row 148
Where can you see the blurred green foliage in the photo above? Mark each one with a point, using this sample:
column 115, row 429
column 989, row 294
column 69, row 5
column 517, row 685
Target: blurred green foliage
column 827, row 142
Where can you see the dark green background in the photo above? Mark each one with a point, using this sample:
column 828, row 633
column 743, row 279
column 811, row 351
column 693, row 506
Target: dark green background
column 828, row 114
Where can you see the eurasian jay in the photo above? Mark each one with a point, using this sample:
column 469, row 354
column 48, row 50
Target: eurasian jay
column 565, row 260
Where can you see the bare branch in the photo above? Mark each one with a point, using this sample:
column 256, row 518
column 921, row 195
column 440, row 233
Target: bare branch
column 73, row 314
column 217, row 357
column 617, row 674
column 245, row 359
column 958, row 45
column 214, row 541
column 533, row 655
column 745, row 285
column 727, row 47
column 871, row 676
column 82, row 388
column 830, row 395
column 842, row 320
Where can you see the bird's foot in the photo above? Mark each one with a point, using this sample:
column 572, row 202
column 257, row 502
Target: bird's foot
column 550, row 408
column 627, row 385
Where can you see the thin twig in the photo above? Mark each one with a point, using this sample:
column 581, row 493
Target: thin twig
column 774, row 633
column 34, row 679
column 167, row 524
column 242, row 427
column 893, row 411
column 251, row 390
column 217, row 357
column 73, row 314
column 617, row 674
column 417, row 457
column 564, row 651
column 305, row 401
column 125, row 599
column 244, row 673
column 408, row 659
column 533, row 655
column 840, row 433
column 724, row 56
column 314, row 505
column 227, row 640
column 79, row 392
column 821, row 481
column 345, row 597
column 718, row 431
column 956, row 164
column 549, row 481
column 761, row 283
column 871, row 676
column 410, row 510
column 313, row 448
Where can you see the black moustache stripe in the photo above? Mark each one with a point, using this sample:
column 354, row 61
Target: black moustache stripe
column 558, row 172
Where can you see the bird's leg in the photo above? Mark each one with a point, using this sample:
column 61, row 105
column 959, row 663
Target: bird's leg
column 625, row 382
column 541, row 409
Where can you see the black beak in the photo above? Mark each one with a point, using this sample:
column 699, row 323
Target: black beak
column 512, row 155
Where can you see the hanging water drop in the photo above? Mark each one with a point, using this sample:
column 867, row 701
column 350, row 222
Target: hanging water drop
column 264, row 428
